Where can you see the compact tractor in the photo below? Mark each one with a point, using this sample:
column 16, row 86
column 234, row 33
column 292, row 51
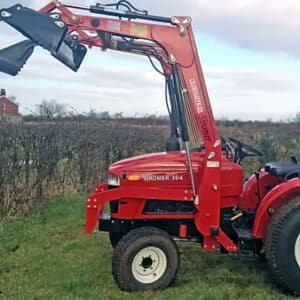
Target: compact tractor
column 195, row 190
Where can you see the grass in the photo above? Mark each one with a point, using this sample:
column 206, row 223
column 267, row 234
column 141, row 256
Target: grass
column 47, row 256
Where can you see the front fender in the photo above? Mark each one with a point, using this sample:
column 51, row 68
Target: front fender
column 278, row 196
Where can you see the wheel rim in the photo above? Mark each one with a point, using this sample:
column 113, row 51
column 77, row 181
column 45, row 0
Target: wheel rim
column 149, row 265
column 297, row 250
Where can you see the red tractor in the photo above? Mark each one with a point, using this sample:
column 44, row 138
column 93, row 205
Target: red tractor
column 192, row 192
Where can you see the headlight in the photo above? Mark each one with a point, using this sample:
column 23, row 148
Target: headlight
column 113, row 180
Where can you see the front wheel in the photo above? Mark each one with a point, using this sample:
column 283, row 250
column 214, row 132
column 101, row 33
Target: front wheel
column 145, row 259
column 283, row 246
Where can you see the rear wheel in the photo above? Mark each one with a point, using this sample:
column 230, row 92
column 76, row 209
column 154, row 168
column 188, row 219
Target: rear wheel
column 145, row 259
column 283, row 246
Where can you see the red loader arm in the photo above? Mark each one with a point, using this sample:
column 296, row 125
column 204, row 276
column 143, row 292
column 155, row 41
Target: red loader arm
column 66, row 35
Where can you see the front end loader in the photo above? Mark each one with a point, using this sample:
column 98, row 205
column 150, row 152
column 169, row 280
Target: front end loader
column 194, row 191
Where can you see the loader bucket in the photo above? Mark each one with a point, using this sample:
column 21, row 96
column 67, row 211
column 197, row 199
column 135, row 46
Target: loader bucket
column 14, row 57
column 71, row 52
column 42, row 29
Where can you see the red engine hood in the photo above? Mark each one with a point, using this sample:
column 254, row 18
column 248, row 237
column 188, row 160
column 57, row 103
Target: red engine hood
column 157, row 162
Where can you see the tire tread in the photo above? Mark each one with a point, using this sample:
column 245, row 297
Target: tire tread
column 126, row 245
column 274, row 230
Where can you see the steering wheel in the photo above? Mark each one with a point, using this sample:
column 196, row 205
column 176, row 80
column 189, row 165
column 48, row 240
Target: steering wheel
column 238, row 150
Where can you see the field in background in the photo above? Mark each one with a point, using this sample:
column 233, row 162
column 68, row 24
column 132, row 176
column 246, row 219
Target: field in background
column 47, row 256
column 40, row 160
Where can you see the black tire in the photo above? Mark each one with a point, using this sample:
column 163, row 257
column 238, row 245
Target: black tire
column 128, row 263
column 280, row 243
column 114, row 238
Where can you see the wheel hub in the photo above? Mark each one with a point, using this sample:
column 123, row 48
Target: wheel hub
column 297, row 250
column 149, row 265
column 148, row 262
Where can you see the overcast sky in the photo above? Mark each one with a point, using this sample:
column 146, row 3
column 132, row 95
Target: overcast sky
column 250, row 51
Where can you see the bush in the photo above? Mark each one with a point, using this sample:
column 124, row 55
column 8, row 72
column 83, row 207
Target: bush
column 40, row 160
column 45, row 159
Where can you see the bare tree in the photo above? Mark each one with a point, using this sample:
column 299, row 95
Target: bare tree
column 51, row 109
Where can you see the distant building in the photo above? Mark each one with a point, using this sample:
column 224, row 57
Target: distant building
column 9, row 110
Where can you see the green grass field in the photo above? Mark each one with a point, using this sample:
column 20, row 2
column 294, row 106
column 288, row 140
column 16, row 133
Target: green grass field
column 47, row 256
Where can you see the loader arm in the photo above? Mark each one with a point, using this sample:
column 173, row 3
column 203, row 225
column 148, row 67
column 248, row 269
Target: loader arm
column 67, row 35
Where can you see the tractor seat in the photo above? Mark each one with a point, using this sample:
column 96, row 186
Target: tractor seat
column 288, row 170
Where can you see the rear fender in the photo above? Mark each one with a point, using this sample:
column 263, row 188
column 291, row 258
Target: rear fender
column 278, row 196
column 256, row 188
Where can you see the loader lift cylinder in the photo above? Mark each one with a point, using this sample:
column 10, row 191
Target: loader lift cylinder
column 183, row 124
column 173, row 141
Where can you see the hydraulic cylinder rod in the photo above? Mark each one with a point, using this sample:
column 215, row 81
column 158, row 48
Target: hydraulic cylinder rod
column 183, row 125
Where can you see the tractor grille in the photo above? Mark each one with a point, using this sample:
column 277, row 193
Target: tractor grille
column 169, row 207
